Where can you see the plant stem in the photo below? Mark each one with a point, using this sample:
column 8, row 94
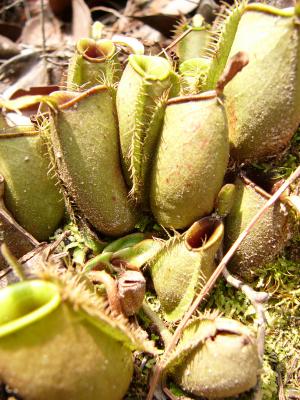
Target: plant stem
column 13, row 262
column 111, row 288
column 100, row 261
column 163, row 330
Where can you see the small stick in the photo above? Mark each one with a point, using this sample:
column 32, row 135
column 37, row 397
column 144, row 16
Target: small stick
column 44, row 56
column 43, row 29
column 11, row 5
column 109, row 10
column 53, row 246
column 175, row 41
column 235, row 65
column 170, row 395
column 281, row 395
column 212, row 280
column 258, row 300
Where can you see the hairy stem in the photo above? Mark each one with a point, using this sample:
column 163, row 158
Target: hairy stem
column 111, row 288
column 163, row 330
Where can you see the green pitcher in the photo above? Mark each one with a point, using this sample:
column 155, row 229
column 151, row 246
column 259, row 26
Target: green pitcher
column 215, row 358
column 265, row 240
column 57, row 342
column 263, row 101
column 86, row 149
column 194, row 43
column 193, row 74
column 184, row 264
column 191, row 160
column 31, row 193
column 93, row 62
column 146, row 84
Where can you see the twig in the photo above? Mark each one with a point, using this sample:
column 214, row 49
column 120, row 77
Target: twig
column 18, row 58
column 57, row 63
column 26, row 10
column 235, row 65
column 43, row 29
column 258, row 300
column 176, row 41
column 53, row 246
column 127, row 12
column 281, row 395
column 210, row 284
column 170, row 395
column 292, row 367
column 6, row 272
column 44, row 38
column 13, row 4
column 109, row 10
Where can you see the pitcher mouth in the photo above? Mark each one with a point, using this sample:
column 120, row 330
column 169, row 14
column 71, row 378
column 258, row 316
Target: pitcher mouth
column 204, row 233
column 96, row 51
column 150, row 67
column 26, row 302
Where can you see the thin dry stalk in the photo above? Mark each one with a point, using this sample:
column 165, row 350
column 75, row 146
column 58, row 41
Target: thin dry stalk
column 177, row 40
column 43, row 29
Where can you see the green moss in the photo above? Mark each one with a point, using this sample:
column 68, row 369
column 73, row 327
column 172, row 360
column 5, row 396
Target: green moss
column 142, row 368
column 78, row 244
column 280, row 279
column 282, row 167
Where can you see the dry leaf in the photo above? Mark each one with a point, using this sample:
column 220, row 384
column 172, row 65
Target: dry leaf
column 82, row 20
column 8, row 48
column 60, row 8
column 32, row 32
column 34, row 75
column 10, row 30
column 164, row 15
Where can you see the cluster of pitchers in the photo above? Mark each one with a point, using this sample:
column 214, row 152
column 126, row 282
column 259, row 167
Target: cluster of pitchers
column 121, row 143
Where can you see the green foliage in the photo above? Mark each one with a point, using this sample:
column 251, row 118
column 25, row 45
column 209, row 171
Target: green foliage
column 231, row 302
column 78, row 244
